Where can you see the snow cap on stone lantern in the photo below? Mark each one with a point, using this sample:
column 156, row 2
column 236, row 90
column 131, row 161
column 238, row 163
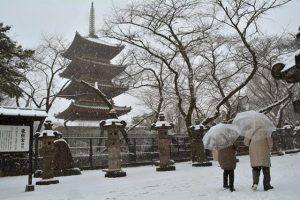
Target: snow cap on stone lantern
column 48, row 132
column 161, row 123
column 197, row 126
column 113, row 121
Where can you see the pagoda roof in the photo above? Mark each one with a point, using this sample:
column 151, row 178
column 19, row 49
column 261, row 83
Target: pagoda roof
column 84, row 112
column 95, row 69
column 77, row 88
column 89, row 48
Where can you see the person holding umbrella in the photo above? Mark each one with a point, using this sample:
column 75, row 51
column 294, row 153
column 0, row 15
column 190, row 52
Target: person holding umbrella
column 257, row 129
column 260, row 153
column 227, row 161
column 222, row 137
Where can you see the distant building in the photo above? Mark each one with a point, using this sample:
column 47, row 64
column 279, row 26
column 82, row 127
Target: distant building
column 91, row 62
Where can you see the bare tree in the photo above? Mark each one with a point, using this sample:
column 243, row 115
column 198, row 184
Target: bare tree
column 167, row 31
column 43, row 83
column 148, row 76
column 242, row 17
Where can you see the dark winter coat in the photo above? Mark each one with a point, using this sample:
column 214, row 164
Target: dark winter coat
column 259, row 150
column 227, row 158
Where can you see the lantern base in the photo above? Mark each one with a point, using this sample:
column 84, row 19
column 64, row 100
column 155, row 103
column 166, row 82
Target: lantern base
column 277, row 153
column 47, row 182
column 66, row 172
column 292, row 151
column 169, row 168
column 115, row 174
column 202, row 164
column 29, row 188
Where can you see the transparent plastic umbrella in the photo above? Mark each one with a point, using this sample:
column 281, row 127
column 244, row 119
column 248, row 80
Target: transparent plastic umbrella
column 253, row 123
column 220, row 136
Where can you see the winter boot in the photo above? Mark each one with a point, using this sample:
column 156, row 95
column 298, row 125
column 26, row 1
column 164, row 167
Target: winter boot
column 254, row 187
column 269, row 187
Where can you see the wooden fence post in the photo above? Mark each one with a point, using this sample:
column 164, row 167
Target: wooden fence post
column 91, row 153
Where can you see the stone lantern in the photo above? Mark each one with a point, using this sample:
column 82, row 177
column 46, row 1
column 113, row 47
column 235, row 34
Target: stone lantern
column 297, row 135
column 288, row 135
column 113, row 126
column 198, row 154
column 48, row 150
column 164, row 143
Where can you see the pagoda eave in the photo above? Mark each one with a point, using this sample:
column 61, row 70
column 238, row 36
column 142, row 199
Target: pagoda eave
column 76, row 112
column 110, row 90
column 83, row 47
column 78, row 67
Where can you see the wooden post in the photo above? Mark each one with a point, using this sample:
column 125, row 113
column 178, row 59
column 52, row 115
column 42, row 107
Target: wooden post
column 91, row 153
column 134, row 146
column 36, row 153
column 178, row 145
column 152, row 149
column 29, row 186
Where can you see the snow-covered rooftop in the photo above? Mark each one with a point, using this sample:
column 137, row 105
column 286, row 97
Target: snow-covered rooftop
column 101, row 41
column 17, row 111
column 289, row 61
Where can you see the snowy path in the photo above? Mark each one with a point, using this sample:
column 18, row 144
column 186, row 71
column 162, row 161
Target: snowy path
column 186, row 183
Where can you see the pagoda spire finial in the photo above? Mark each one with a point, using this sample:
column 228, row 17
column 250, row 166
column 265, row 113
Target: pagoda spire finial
column 92, row 22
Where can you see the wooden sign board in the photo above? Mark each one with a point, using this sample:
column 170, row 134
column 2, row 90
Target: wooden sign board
column 14, row 138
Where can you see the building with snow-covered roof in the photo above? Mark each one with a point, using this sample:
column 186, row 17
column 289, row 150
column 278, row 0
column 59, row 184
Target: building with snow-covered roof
column 91, row 62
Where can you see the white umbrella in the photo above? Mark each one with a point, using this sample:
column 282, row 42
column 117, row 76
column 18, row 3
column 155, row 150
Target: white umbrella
column 220, row 136
column 254, row 123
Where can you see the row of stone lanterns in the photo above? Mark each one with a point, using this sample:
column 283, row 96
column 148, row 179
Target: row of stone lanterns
column 114, row 126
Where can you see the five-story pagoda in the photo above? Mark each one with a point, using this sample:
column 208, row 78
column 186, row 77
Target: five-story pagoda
column 91, row 62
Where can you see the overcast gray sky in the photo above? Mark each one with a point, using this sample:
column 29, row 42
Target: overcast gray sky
column 31, row 18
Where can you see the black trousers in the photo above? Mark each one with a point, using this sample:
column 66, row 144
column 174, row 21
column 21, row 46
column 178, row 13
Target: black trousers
column 230, row 174
column 256, row 174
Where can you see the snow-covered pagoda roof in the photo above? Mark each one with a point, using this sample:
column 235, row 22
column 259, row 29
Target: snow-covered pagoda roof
column 23, row 112
column 290, row 61
column 89, row 48
column 111, row 90
column 96, row 69
column 85, row 112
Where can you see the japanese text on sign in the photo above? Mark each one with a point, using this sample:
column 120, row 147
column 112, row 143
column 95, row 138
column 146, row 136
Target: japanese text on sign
column 14, row 138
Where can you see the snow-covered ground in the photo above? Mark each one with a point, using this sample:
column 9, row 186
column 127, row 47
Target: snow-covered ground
column 186, row 183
